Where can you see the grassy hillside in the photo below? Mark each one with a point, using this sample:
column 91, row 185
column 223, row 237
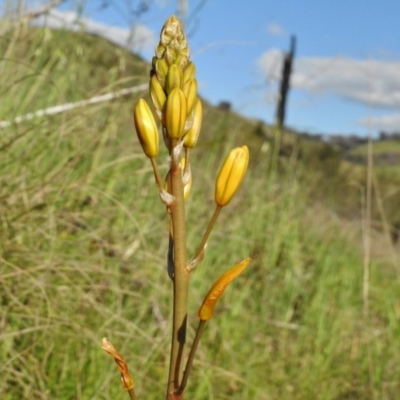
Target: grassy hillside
column 83, row 243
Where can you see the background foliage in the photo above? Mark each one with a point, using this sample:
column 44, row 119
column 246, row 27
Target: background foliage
column 83, row 244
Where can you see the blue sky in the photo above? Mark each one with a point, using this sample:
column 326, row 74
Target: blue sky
column 347, row 69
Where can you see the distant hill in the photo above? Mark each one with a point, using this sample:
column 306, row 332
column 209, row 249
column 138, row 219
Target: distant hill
column 75, row 65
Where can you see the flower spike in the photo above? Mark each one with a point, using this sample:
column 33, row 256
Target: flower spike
column 173, row 90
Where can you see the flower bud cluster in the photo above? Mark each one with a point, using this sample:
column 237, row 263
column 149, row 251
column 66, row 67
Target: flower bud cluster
column 173, row 92
column 173, row 85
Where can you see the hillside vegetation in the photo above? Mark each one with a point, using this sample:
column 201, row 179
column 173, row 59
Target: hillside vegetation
column 83, row 242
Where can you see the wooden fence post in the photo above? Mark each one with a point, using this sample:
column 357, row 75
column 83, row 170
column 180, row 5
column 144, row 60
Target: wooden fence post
column 285, row 83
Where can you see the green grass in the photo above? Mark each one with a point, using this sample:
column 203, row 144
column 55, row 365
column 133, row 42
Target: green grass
column 83, row 244
column 385, row 146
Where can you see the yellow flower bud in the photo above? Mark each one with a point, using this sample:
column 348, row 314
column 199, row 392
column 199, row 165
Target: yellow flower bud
column 231, row 175
column 172, row 34
column 146, row 128
column 175, row 114
column 190, row 91
column 174, row 78
column 206, row 310
column 160, row 68
column 193, row 133
column 173, row 47
column 190, row 72
column 182, row 61
column 160, row 50
column 158, row 96
column 170, row 55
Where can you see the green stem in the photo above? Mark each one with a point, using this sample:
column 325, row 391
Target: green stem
column 132, row 394
column 157, row 174
column 192, row 353
column 181, row 278
column 210, row 226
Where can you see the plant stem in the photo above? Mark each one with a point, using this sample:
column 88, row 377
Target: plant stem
column 132, row 394
column 170, row 255
column 181, row 278
column 192, row 353
column 157, row 174
column 207, row 232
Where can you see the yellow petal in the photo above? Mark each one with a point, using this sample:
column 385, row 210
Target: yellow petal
column 206, row 310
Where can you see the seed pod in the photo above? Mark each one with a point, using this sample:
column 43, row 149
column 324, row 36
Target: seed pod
column 231, row 175
column 146, row 128
column 206, row 310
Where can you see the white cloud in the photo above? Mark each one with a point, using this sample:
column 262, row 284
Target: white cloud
column 387, row 123
column 368, row 82
column 275, row 29
column 270, row 63
column 138, row 39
